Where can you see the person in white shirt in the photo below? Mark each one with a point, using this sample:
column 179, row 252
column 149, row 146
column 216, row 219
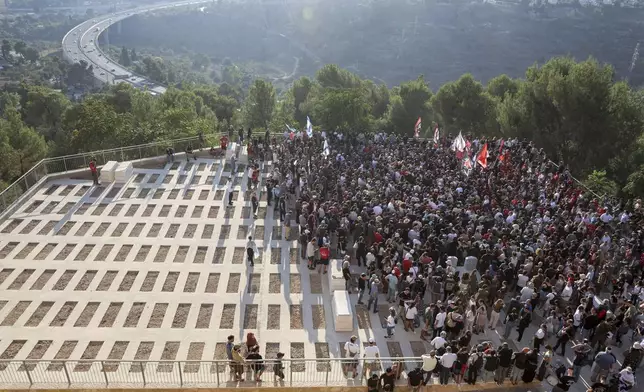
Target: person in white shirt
column 391, row 323
column 566, row 293
column 410, row 315
column 578, row 318
column 522, row 280
column 439, row 322
column 429, row 364
column 539, row 336
column 447, row 361
column 371, row 357
column 439, row 341
column 310, row 253
column 527, row 292
column 352, row 350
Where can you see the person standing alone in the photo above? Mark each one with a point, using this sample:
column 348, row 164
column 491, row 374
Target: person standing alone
column 250, row 251
column 94, row 171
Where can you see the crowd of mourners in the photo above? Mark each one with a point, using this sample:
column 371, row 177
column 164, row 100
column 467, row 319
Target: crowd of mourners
column 453, row 254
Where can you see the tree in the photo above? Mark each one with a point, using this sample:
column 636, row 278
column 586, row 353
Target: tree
column 410, row 101
column 45, row 107
column 300, row 93
column 6, row 50
column 124, row 59
column 259, row 106
column 200, row 61
column 501, row 85
column 465, row 106
column 25, row 146
column 133, row 55
column 94, row 125
column 578, row 114
column 31, row 55
column 600, row 184
column 332, row 76
column 346, row 109
column 19, row 47
column 80, row 73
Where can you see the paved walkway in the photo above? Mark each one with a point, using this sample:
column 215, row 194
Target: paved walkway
column 155, row 269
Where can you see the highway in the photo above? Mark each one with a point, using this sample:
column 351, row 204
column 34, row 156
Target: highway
column 81, row 43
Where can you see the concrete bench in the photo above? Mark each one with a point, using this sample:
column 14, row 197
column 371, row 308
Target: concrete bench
column 123, row 172
column 107, row 171
column 336, row 280
column 342, row 312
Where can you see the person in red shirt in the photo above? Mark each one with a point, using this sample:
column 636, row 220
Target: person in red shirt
column 223, row 142
column 406, row 264
column 94, row 170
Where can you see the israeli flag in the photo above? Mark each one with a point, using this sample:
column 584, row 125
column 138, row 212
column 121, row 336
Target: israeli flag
column 309, row 127
column 326, row 149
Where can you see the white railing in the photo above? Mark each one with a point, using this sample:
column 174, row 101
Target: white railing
column 137, row 374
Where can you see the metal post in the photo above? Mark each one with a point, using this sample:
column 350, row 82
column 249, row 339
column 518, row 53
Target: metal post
column 140, row 154
column 105, row 374
column 290, row 368
column 122, row 156
column 84, row 161
column 328, row 369
column 65, row 163
column 104, row 161
column 217, row 370
column 4, row 202
column 142, row 372
column 31, row 382
column 69, row 380
column 180, row 375
column 26, row 184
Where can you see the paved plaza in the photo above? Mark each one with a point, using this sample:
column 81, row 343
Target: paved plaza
column 155, row 269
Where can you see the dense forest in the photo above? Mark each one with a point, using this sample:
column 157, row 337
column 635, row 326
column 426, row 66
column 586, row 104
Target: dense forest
column 392, row 41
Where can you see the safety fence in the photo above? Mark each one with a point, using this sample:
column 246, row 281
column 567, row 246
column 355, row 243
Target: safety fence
column 137, row 374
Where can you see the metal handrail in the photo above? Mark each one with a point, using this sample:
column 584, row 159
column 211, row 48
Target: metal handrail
column 168, row 373
column 12, row 194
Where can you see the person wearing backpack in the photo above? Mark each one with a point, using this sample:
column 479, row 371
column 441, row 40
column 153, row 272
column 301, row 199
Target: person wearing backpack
column 474, row 365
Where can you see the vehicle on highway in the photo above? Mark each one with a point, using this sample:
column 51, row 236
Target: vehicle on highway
column 102, row 73
column 113, row 69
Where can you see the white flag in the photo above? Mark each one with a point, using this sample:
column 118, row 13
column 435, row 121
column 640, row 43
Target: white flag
column 437, row 135
column 309, row 127
column 459, row 143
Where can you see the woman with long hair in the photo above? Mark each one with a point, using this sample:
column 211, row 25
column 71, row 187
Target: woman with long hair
column 481, row 317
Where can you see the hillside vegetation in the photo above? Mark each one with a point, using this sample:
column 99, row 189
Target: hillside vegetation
column 391, row 40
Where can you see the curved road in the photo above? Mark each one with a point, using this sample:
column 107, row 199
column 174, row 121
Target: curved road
column 80, row 43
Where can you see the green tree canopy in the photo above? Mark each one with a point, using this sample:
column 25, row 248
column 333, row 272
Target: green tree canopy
column 259, row 106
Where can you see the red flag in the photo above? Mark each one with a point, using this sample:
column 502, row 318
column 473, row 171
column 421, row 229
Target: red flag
column 417, row 128
column 482, row 157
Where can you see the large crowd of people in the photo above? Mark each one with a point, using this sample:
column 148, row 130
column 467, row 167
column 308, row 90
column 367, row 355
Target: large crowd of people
column 456, row 251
